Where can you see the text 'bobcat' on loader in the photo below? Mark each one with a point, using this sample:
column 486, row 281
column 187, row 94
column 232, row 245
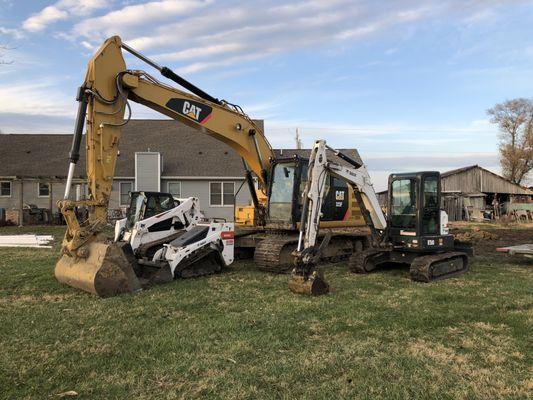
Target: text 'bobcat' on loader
column 415, row 231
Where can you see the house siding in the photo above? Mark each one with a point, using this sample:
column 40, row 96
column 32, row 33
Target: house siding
column 30, row 194
column 189, row 187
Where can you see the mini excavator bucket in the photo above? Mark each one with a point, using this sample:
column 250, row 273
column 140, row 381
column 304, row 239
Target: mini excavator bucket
column 107, row 271
column 306, row 278
column 313, row 284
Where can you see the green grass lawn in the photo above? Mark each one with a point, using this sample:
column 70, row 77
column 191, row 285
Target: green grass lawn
column 242, row 334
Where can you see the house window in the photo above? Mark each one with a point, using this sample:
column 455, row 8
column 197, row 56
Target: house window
column 44, row 189
column 221, row 193
column 5, row 189
column 174, row 188
column 124, row 191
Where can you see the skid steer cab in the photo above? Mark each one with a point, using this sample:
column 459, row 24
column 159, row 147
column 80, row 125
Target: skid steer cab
column 155, row 218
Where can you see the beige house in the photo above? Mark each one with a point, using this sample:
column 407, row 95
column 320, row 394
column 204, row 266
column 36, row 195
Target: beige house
column 157, row 155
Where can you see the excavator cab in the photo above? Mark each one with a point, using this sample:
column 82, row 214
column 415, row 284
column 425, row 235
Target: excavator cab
column 284, row 190
column 415, row 219
column 285, row 202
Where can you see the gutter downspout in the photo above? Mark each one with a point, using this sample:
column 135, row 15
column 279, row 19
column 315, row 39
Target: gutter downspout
column 21, row 204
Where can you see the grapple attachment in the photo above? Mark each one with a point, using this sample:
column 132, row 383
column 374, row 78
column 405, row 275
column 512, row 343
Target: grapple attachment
column 313, row 284
column 106, row 271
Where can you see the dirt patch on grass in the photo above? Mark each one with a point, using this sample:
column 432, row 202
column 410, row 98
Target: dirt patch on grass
column 476, row 357
column 52, row 298
column 486, row 239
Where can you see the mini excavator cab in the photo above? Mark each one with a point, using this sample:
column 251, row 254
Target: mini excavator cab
column 415, row 219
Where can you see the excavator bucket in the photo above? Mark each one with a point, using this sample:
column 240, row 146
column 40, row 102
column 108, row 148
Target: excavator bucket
column 314, row 284
column 106, row 272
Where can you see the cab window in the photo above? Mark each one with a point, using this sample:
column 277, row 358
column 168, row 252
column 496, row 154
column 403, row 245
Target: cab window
column 431, row 212
column 431, row 197
column 403, row 203
column 282, row 192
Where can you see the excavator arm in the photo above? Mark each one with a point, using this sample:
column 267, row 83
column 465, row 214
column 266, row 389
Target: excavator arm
column 305, row 277
column 103, row 101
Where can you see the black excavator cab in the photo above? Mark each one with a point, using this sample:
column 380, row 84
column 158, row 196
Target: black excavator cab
column 414, row 217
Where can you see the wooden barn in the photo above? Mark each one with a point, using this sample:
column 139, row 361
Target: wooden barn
column 475, row 193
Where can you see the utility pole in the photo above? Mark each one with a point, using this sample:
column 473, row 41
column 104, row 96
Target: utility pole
column 298, row 140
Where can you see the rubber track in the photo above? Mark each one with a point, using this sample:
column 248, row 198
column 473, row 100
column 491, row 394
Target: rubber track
column 357, row 260
column 421, row 270
column 204, row 261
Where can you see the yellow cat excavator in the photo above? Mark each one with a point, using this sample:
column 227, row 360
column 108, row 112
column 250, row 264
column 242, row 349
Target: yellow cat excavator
column 91, row 263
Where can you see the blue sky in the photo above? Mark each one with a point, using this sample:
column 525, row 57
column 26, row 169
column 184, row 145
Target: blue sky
column 405, row 82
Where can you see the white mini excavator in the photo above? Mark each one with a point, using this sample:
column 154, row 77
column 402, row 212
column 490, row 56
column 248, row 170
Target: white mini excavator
column 415, row 231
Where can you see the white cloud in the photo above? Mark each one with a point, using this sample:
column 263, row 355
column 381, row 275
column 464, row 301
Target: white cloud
column 61, row 10
column 45, row 17
column 14, row 33
column 230, row 32
column 35, row 99
column 209, row 34
column 128, row 18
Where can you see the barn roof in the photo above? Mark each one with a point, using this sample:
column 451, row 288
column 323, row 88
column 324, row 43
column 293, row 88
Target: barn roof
column 497, row 184
column 463, row 169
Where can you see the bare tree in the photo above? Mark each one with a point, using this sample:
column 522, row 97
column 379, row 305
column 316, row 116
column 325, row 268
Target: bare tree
column 515, row 121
